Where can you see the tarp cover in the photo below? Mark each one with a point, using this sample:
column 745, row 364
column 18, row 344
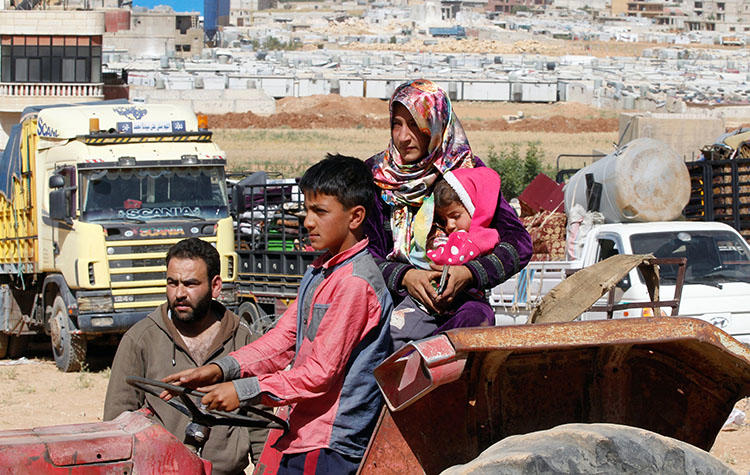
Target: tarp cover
column 11, row 162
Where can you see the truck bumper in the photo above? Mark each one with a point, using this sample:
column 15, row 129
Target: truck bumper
column 101, row 323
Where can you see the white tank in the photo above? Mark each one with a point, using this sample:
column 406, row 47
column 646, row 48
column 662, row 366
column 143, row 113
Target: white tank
column 644, row 180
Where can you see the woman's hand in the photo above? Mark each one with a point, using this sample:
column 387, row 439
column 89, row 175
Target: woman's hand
column 419, row 285
column 459, row 277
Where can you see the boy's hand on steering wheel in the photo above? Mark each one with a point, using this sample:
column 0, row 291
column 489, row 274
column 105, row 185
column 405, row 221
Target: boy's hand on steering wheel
column 419, row 285
column 192, row 378
column 220, row 397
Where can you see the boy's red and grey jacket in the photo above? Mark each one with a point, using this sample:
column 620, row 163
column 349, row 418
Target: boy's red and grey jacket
column 334, row 335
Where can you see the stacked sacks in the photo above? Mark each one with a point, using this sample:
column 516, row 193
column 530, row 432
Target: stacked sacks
column 543, row 217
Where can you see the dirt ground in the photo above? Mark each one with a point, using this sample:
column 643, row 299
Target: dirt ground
column 336, row 112
column 304, row 129
column 531, row 46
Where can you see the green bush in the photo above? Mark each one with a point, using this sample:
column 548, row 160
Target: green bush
column 516, row 172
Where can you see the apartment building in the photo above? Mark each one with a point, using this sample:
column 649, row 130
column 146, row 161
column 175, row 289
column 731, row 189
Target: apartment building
column 48, row 57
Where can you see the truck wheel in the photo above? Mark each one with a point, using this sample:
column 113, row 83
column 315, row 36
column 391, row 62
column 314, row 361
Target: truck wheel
column 591, row 448
column 251, row 314
column 69, row 349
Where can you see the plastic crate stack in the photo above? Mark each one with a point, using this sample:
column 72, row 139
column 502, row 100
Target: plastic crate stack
column 274, row 217
column 720, row 191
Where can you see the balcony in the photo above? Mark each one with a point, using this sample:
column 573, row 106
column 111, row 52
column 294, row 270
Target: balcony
column 92, row 90
column 15, row 96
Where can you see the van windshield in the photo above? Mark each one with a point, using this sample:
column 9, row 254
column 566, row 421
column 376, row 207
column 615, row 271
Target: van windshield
column 158, row 193
column 713, row 257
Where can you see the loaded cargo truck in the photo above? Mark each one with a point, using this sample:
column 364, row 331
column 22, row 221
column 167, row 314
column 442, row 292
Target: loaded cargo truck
column 720, row 191
column 639, row 193
column 272, row 246
column 93, row 197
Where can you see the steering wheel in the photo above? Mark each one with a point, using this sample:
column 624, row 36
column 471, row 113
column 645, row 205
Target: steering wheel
column 204, row 416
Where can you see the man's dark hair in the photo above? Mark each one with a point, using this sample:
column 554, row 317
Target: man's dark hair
column 194, row 248
column 444, row 194
column 348, row 179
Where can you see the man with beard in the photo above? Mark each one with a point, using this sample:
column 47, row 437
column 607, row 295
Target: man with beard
column 191, row 329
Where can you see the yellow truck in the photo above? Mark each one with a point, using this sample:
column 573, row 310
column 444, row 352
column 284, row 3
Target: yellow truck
column 93, row 197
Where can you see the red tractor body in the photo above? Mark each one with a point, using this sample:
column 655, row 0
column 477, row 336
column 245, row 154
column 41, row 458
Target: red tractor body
column 132, row 443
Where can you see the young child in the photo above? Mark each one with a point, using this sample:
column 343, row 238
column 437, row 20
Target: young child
column 333, row 335
column 464, row 201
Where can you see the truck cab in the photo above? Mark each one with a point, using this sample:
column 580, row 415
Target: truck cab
column 102, row 191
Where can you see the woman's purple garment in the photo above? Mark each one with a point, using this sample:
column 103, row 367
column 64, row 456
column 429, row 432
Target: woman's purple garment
column 472, row 313
column 416, row 323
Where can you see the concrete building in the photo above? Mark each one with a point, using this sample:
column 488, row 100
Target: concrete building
column 639, row 8
column 729, row 17
column 241, row 11
column 726, row 16
column 48, row 57
column 509, row 6
column 159, row 32
column 449, row 8
column 684, row 133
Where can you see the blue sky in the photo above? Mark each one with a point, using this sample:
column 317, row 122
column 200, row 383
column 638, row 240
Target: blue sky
column 177, row 5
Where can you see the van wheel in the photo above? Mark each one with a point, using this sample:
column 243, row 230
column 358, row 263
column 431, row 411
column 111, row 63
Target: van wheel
column 254, row 317
column 591, row 448
column 68, row 348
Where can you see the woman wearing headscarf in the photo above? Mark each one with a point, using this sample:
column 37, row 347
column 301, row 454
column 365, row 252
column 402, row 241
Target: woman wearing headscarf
column 427, row 140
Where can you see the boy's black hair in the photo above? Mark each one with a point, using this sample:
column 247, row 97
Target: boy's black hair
column 194, row 248
column 348, row 179
column 444, row 194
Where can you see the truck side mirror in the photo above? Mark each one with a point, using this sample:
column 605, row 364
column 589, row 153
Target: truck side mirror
column 56, row 181
column 59, row 204
column 624, row 283
column 238, row 200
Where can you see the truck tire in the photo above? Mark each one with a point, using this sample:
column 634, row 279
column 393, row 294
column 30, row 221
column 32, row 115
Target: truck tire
column 592, row 448
column 254, row 317
column 68, row 349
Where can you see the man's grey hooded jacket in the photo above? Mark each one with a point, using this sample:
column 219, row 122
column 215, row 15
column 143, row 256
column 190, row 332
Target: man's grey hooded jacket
column 153, row 348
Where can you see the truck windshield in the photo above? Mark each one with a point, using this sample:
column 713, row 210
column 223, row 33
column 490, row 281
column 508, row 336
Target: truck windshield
column 153, row 194
column 713, row 257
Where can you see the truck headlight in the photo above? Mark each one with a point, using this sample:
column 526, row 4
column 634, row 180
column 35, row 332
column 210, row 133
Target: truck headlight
column 95, row 303
column 228, row 295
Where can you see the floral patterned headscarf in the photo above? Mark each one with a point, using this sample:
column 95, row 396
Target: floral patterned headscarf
column 405, row 185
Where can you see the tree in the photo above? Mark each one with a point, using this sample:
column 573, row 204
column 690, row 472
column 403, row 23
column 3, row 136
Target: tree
column 515, row 172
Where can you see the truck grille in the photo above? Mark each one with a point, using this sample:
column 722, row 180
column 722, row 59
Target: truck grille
column 138, row 273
